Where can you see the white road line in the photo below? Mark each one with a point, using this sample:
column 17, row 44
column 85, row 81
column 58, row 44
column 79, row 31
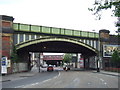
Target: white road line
column 101, row 79
column 34, row 84
column 42, row 81
column 89, row 83
column 105, row 83
column 51, row 78
column 19, row 86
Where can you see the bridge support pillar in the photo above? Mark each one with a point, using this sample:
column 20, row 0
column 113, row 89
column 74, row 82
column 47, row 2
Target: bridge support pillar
column 25, row 57
column 104, row 40
column 6, row 36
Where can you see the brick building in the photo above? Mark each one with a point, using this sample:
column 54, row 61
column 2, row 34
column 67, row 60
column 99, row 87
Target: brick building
column 53, row 59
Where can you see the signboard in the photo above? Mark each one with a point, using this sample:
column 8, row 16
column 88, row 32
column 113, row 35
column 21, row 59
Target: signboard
column 108, row 50
column 81, row 62
column 4, row 65
column 8, row 63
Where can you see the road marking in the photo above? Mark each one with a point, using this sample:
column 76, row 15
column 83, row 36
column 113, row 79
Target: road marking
column 105, row 83
column 89, row 83
column 19, row 86
column 34, row 84
column 51, row 78
column 101, row 79
column 41, row 82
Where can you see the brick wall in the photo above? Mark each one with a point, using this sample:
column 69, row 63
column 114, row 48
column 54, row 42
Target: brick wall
column 6, row 24
column 6, row 46
column 6, row 49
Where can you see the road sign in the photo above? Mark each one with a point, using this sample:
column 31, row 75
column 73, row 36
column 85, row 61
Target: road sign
column 4, row 65
column 81, row 62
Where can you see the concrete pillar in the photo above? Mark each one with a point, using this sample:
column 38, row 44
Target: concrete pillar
column 41, row 58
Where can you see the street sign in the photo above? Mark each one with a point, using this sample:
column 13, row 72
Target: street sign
column 4, row 65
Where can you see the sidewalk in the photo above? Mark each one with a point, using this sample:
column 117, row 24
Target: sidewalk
column 101, row 72
column 18, row 76
column 22, row 75
column 109, row 73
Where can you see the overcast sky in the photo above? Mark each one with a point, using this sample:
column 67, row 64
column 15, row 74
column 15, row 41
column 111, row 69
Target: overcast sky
column 70, row 14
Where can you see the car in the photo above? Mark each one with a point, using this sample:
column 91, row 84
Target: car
column 50, row 68
column 44, row 66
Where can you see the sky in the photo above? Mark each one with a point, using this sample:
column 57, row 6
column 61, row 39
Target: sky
column 69, row 14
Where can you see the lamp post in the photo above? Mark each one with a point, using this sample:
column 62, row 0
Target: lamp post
column 98, row 61
column 99, row 55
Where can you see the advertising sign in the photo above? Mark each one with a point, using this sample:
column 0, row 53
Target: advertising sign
column 8, row 63
column 4, row 65
column 81, row 62
column 108, row 50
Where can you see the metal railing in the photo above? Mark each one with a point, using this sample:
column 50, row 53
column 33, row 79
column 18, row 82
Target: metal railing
column 53, row 30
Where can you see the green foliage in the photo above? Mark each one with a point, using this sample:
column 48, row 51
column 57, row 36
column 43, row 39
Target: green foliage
column 67, row 58
column 14, row 56
column 115, row 59
column 100, row 5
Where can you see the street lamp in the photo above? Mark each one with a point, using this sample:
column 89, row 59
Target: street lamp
column 99, row 56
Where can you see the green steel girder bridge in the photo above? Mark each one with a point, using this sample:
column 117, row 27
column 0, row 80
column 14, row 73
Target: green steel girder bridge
column 34, row 38
column 26, row 36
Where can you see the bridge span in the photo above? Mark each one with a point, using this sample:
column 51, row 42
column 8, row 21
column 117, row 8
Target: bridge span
column 34, row 38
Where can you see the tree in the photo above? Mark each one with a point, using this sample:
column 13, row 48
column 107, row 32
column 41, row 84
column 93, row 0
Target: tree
column 115, row 59
column 67, row 58
column 100, row 5
column 14, row 56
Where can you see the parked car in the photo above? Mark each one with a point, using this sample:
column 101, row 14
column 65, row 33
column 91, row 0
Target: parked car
column 44, row 66
column 50, row 68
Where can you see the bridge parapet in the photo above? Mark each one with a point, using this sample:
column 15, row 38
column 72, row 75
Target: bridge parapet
column 53, row 30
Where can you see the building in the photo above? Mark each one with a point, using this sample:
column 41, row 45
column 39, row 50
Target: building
column 53, row 59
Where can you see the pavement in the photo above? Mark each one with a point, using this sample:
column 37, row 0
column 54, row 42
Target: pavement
column 22, row 75
column 17, row 76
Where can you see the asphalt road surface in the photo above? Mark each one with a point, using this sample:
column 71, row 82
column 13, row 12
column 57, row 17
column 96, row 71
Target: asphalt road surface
column 63, row 79
column 78, row 79
column 29, row 80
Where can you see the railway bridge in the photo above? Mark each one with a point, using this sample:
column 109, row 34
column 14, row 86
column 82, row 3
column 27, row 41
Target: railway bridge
column 36, row 38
